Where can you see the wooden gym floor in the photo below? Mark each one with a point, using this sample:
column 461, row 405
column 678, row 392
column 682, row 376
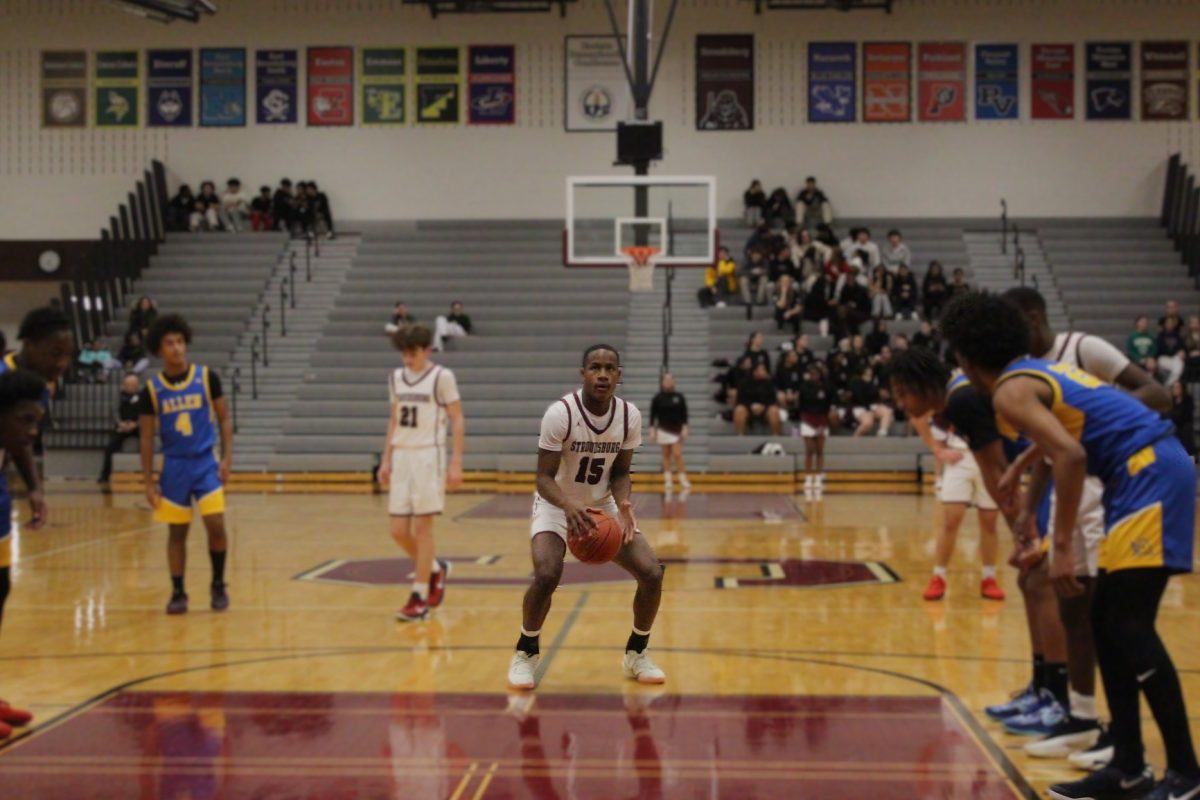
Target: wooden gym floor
column 801, row 660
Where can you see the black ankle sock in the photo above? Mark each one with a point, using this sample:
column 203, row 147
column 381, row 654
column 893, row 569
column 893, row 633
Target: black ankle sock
column 177, row 584
column 218, row 566
column 637, row 642
column 1039, row 672
column 1056, row 683
column 528, row 645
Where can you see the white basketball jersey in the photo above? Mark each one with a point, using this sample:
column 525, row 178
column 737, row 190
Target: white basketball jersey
column 589, row 444
column 421, row 402
column 1090, row 354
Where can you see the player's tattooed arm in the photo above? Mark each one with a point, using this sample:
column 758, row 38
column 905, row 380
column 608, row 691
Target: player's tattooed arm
column 578, row 520
column 620, row 483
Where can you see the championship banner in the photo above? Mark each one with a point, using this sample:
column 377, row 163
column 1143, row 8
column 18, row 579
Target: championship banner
column 996, row 72
column 330, row 86
column 222, row 87
column 1164, row 80
column 1052, row 84
column 439, row 78
column 384, row 75
column 724, row 82
column 942, row 82
column 169, row 88
column 492, row 85
column 1109, row 80
column 64, row 89
column 597, row 92
column 276, row 86
column 116, row 88
column 832, row 78
column 887, row 82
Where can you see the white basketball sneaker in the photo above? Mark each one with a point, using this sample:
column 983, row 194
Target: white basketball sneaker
column 639, row 667
column 521, row 670
column 667, row 487
column 684, row 482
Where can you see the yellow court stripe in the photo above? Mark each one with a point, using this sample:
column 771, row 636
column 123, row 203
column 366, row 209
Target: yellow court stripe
column 465, row 782
column 483, row 784
column 987, row 752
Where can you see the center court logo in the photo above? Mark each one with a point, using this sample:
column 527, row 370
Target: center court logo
column 596, row 103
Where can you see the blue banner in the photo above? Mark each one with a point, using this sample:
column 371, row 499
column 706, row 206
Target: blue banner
column 832, row 72
column 276, row 87
column 223, row 87
column 1109, row 80
column 169, row 88
column 996, row 92
column 492, row 88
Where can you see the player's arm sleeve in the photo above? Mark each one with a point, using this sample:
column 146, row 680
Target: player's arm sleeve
column 1101, row 359
column 554, row 428
column 146, row 404
column 633, row 435
column 214, row 386
column 447, row 388
column 973, row 418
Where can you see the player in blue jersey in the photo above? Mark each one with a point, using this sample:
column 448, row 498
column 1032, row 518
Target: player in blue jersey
column 1084, row 426
column 186, row 403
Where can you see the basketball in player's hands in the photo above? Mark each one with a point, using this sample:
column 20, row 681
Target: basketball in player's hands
column 600, row 544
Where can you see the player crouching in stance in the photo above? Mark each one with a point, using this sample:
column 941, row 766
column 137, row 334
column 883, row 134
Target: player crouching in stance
column 586, row 447
column 186, row 402
column 423, row 396
column 1084, row 426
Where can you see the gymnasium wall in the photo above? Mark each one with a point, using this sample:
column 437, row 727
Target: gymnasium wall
column 60, row 183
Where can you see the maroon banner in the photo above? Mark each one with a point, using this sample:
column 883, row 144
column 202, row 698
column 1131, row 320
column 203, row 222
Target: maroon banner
column 887, row 82
column 1053, row 81
column 942, row 81
column 330, row 86
column 1164, row 80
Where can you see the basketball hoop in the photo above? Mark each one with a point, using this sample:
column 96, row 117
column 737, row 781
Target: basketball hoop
column 641, row 267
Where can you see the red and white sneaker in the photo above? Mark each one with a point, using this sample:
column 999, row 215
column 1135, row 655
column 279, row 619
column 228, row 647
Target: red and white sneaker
column 991, row 590
column 437, row 584
column 14, row 716
column 414, row 611
column 936, row 589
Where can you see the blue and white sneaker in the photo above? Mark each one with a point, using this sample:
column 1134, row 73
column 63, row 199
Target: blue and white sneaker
column 1039, row 722
column 1022, row 702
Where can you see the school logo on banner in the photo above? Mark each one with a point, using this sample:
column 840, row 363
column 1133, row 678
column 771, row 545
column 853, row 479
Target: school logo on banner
column 384, row 72
column 597, row 93
column 1052, row 84
column 996, row 94
column 276, row 86
column 1109, row 80
column 64, row 89
column 223, row 87
column 491, row 78
column 1164, row 80
column 887, row 82
column 438, row 76
column 169, row 88
column 725, row 82
column 942, row 81
column 115, row 93
column 330, row 86
column 832, row 76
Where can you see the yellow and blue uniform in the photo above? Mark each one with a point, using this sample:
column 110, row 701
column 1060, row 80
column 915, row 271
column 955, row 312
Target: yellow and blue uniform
column 9, row 363
column 1149, row 480
column 187, row 426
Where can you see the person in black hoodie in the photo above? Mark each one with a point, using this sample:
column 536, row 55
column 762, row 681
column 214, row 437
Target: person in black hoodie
column 283, row 207
column 669, row 430
column 318, row 217
column 180, row 208
column 754, row 200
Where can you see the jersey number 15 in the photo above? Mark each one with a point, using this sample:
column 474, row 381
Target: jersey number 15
column 591, row 470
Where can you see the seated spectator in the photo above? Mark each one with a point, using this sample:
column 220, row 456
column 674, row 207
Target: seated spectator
column 881, row 292
column 283, row 207
column 205, row 214
column 881, row 365
column 756, row 353
column 781, row 264
column 317, row 215
column 235, row 207
column 900, row 342
column 126, row 423
column 260, row 210
column 877, row 340
column 857, row 357
column 803, row 351
column 851, row 270
column 757, row 400
column 1140, row 344
column 1191, row 348
column 865, row 249
column 868, row 409
column 132, row 355
column 958, row 283
column 142, row 316
column 854, row 301
column 827, row 237
column 817, row 305
column 734, row 377
column 720, row 281
column 753, row 281
column 760, row 239
column 934, row 291
column 1169, row 347
column 904, row 294
column 1183, row 414
column 400, row 318
column 455, row 324
column 813, row 206
column 1172, row 313
column 789, row 305
column 809, row 254
column 788, row 378
column 179, row 209
column 754, row 201
column 897, row 253
column 928, row 337
column 92, row 362
column 779, row 212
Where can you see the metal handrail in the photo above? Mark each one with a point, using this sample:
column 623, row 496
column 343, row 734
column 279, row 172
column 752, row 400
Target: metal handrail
column 668, row 322
column 254, row 356
column 292, row 275
column 1003, row 226
column 283, row 301
column 308, row 257
column 235, row 390
column 266, row 326
column 1019, row 266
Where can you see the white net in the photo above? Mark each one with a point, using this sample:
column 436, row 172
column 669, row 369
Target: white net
column 641, row 268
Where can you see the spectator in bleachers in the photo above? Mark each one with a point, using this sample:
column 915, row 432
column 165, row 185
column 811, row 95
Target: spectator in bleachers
column 455, row 324
column 179, row 209
column 283, row 207
column 897, row 253
column 1169, row 347
column 817, row 307
column 804, row 351
column 126, row 423
column 1183, row 414
column 1140, row 344
column 827, row 237
column 757, row 400
column 782, row 263
column 1191, row 350
column 754, row 202
column 789, row 376
column 720, row 281
column 132, row 356
column 877, row 340
column 869, row 410
column 1172, row 309
column 92, row 362
column 669, row 430
column 235, row 207
column 789, row 305
column 734, row 377
column 857, row 357
column 810, row 254
column 814, row 206
column 904, row 294
column 934, row 291
column 400, row 318
column 142, row 316
column 753, row 281
column 928, row 336
column 260, row 210
column 863, row 247
column 760, row 239
column 318, row 216
column 850, row 271
column 900, row 342
column 756, row 353
column 881, row 292
column 854, row 300
column 205, row 212
column 882, row 365
column 958, row 283
column 779, row 212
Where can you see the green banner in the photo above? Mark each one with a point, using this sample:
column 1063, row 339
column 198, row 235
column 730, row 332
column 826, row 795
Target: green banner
column 438, row 82
column 116, row 88
column 383, row 76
